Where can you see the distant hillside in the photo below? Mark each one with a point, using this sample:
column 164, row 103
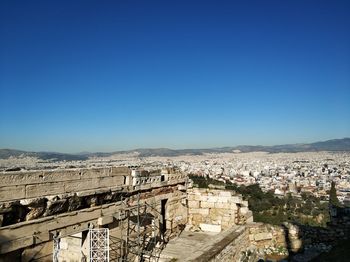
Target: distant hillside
column 329, row 145
column 6, row 153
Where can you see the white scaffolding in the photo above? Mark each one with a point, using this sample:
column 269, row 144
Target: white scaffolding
column 99, row 245
column 56, row 249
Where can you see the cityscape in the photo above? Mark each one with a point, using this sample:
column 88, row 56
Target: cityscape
column 292, row 187
column 282, row 173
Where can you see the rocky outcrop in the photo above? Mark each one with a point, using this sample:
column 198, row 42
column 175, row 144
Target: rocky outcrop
column 299, row 242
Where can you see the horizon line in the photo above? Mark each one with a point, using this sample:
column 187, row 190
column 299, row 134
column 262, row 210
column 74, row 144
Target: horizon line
column 169, row 148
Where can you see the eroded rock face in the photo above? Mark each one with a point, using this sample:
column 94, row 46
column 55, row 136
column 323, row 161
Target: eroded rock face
column 35, row 212
column 34, row 202
column 12, row 213
column 35, row 207
column 56, row 206
column 74, row 203
column 92, row 201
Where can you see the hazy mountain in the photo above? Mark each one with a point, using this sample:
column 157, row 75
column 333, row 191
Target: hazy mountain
column 53, row 156
column 329, row 145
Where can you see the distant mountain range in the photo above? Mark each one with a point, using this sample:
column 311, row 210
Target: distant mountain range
column 6, row 153
column 329, row 145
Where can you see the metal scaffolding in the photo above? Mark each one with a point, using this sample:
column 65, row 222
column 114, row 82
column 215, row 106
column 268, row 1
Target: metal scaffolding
column 56, row 249
column 99, row 245
column 141, row 237
column 140, row 234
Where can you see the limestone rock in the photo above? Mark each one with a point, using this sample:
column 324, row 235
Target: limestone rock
column 54, row 207
column 33, row 202
column 74, row 203
column 92, row 201
column 263, row 236
column 210, row 228
column 35, row 212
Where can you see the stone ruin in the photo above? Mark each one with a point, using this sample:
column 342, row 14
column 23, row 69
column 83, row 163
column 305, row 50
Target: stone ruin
column 216, row 210
column 143, row 211
column 39, row 208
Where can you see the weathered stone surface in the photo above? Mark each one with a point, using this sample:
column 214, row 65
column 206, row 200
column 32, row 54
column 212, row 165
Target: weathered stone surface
column 111, row 181
column 227, row 246
column 217, row 213
column 200, row 211
column 35, row 212
column 244, row 210
column 12, row 213
column 74, row 203
column 216, row 207
column 205, row 204
column 16, row 244
column 54, row 207
column 42, row 252
column 210, row 228
column 262, row 236
column 193, row 204
column 45, row 201
column 80, row 185
column 33, row 202
column 92, row 201
column 105, row 220
column 31, row 184
column 120, row 171
column 38, row 177
column 11, row 192
column 225, row 194
column 48, row 189
column 222, row 205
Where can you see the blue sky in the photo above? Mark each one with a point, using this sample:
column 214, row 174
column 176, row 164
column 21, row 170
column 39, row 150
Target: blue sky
column 110, row 75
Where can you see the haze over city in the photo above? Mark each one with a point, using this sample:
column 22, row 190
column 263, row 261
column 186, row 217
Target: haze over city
column 103, row 76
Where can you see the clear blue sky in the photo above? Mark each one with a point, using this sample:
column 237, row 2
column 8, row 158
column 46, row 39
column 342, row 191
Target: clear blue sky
column 110, row 75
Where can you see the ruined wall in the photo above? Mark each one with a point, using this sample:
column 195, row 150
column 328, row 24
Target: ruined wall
column 32, row 184
column 26, row 196
column 274, row 241
column 270, row 241
column 216, row 210
column 70, row 248
column 36, row 206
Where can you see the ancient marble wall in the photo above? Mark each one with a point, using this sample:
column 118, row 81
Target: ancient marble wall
column 36, row 206
column 216, row 210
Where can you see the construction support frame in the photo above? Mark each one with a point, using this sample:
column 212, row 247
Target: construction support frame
column 140, row 233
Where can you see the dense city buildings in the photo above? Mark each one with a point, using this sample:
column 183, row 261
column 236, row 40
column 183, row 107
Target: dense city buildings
column 282, row 173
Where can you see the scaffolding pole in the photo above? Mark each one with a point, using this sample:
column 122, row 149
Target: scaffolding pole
column 56, row 249
column 99, row 245
column 140, row 233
